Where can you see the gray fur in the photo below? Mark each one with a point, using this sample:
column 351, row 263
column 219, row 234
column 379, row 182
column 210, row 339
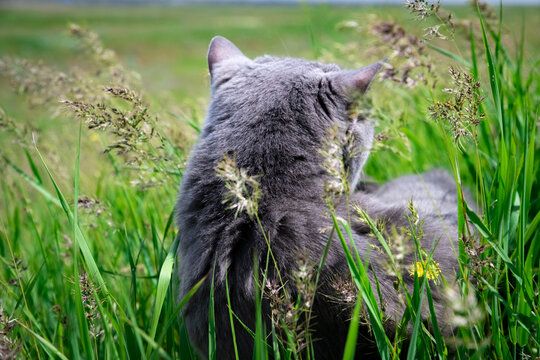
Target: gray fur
column 274, row 113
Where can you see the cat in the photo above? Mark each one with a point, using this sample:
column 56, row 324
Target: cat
column 273, row 115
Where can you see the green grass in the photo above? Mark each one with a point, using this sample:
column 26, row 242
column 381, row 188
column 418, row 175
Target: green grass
column 87, row 279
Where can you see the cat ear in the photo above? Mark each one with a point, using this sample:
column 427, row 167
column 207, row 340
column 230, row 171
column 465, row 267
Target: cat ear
column 221, row 49
column 358, row 80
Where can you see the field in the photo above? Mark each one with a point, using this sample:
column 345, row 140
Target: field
column 99, row 107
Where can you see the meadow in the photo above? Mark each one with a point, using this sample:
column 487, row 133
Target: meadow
column 99, row 107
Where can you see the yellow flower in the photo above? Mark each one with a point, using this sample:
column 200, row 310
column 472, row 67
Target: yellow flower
column 421, row 269
column 94, row 137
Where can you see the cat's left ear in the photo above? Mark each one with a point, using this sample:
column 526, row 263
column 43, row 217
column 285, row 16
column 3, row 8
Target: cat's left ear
column 358, row 80
column 221, row 49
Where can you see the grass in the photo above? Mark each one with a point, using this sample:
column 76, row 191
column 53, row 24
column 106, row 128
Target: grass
column 87, row 237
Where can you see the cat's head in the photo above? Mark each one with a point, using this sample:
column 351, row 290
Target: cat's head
column 295, row 99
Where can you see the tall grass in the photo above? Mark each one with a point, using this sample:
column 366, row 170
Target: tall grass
column 93, row 276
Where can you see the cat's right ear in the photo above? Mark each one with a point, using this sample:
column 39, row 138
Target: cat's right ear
column 358, row 80
column 221, row 49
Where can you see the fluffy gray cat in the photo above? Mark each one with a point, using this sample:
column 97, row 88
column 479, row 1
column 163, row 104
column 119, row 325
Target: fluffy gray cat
column 273, row 115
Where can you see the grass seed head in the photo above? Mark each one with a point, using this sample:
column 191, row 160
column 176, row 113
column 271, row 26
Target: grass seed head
column 486, row 10
column 410, row 64
column 88, row 295
column 479, row 262
column 465, row 311
column 243, row 190
column 346, row 291
column 9, row 346
column 422, row 8
column 337, row 184
column 462, row 109
column 90, row 205
column 19, row 131
column 433, row 32
column 18, row 269
column 305, row 282
column 90, row 44
column 291, row 304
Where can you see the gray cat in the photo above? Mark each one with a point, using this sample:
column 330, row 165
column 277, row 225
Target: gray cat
column 273, row 115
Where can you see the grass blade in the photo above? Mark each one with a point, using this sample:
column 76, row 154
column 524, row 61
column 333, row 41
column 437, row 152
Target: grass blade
column 211, row 322
column 361, row 279
column 95, row 274
column 161, row 291
column 231, row 320
column 352, row 334
column 449, row 54
column 46, row 343
column 493, row 79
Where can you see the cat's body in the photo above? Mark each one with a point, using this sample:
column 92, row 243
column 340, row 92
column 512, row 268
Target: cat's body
column 273, row 114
